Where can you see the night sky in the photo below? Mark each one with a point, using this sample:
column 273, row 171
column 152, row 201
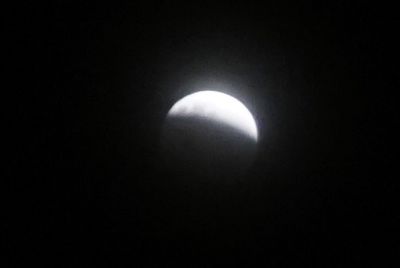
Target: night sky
column 93, row 84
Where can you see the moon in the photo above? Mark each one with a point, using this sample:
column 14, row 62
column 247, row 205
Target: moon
column 209, row 133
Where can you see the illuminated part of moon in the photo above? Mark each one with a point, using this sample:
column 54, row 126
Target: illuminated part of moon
column 217, row 107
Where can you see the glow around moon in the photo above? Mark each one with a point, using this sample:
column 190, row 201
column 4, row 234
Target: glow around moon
column 218, row 107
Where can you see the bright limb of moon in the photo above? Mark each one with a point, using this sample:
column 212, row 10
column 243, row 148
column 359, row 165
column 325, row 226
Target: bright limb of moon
column 219, row 107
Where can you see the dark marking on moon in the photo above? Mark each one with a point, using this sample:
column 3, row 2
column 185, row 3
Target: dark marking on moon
column 195, row 147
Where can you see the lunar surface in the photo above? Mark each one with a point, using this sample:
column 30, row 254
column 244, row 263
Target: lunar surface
column 209, row 133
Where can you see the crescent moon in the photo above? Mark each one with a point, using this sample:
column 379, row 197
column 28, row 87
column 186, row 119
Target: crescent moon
column 218, row 107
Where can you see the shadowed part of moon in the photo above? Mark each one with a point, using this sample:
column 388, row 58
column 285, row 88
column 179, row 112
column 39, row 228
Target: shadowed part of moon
column 201, row 147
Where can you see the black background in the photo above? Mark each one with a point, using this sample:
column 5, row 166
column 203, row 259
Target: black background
column 93, row 83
